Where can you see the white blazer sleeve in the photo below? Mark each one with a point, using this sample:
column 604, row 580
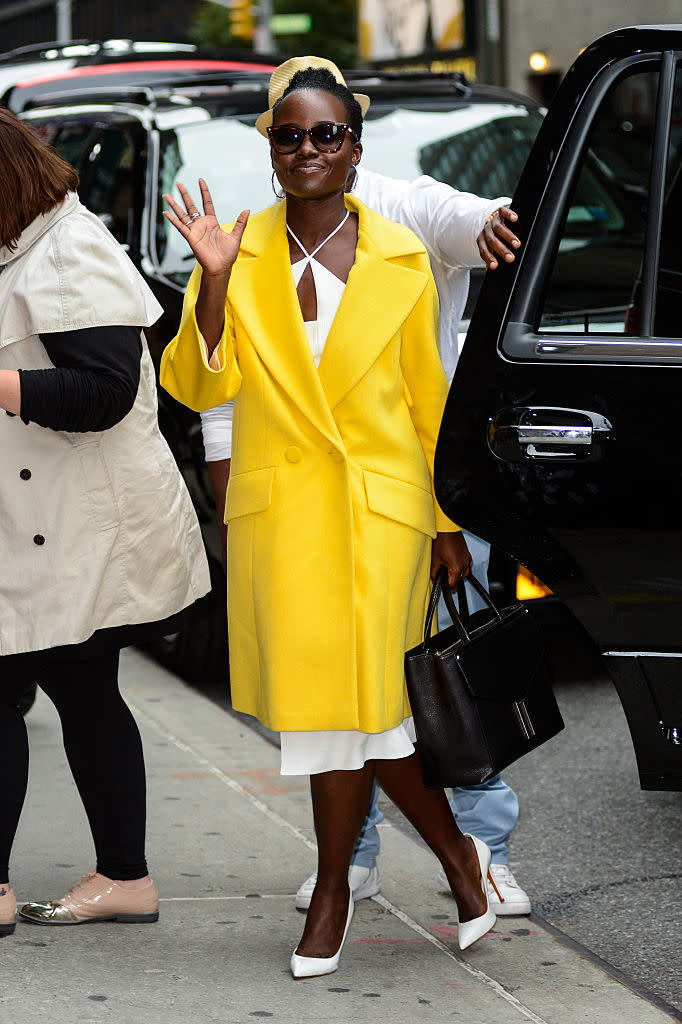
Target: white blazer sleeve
column 216, row 427
column 447, row 221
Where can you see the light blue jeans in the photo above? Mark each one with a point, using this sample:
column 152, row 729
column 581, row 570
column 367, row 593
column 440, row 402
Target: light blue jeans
column 489, row 811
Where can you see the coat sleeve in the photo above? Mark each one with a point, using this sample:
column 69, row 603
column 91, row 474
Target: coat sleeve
column 426, row 386
column 186, row 372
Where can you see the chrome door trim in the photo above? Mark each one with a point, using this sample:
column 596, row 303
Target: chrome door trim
column 641, row 654
column 523, row 343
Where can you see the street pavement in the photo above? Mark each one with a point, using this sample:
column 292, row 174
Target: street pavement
column 229, row 842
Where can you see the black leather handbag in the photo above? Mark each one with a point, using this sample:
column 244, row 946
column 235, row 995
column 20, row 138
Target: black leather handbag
column 480, row 691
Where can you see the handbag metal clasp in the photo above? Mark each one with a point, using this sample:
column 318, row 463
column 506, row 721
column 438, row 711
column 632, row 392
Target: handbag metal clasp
column 523, row 718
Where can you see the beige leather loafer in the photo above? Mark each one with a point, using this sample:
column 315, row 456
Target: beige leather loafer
column 8, row 910
column 96, row 898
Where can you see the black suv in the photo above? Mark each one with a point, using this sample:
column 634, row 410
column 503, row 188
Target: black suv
column 130, row 143
column 567, row 452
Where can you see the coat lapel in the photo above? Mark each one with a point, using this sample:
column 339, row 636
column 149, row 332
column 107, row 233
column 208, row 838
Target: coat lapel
column 378, row 298
column 264, row 298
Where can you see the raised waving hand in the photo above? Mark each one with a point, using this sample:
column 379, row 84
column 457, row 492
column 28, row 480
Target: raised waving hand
column 215, row 250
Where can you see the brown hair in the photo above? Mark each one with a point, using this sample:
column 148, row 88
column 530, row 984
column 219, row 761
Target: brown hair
column 33, row 179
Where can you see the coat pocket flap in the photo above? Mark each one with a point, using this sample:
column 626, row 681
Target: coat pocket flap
column 249, row 492
column 396, row 499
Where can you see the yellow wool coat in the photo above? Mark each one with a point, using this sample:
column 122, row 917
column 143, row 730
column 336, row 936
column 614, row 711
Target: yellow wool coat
column 330, row 500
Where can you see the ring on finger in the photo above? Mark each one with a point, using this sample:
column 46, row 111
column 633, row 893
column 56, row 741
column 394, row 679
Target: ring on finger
column 192, row 218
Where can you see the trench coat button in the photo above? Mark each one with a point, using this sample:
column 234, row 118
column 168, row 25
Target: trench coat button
column 38, row 539
column 25, row 474
column 293, row 453
column 336, row 455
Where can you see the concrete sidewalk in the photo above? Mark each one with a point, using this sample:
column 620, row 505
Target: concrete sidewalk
column 229, row 842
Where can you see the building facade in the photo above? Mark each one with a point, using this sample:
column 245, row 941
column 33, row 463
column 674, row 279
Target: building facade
column 26, row 22
column 558, row 32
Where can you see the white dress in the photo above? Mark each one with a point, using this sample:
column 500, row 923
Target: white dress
column 308, row 753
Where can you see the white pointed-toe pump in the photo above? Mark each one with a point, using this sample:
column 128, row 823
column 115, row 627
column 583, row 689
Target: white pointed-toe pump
column 469, row 932
column 314, row 966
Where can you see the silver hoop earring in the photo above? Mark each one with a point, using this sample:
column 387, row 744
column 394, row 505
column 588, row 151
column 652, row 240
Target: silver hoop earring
column 355, row 178
column 277, row 194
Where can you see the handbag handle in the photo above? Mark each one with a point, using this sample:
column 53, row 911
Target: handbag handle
column 441, row 585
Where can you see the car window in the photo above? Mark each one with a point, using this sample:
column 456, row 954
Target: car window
column 399, row 142
column 232, row 157
column 68, row 140
column 599, row 257
column 669, row 283
column 486, row 159
column 108, row 182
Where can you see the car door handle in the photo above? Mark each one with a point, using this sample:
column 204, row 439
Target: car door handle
column 552, row 434
column 531, row 433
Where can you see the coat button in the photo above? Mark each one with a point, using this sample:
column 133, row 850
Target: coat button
column 25, row 474
column 293, row 453
column 336, row 455
column 38, row 539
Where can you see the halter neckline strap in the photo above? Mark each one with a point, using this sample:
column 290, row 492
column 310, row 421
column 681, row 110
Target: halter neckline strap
column 310, row 255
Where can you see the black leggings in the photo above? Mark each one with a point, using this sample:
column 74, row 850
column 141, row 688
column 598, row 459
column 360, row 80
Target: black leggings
column 104, row 751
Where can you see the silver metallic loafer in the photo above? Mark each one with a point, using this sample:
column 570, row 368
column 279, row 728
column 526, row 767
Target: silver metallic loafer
column 96, row 898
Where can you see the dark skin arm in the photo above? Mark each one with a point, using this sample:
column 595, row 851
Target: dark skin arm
column 219, row 472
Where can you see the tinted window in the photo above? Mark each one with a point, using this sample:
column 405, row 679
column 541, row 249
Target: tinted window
column 71, row 142
column 599, row 257
column 667, row 322
column 68, row 140
column 110, row 184
column 487, row 159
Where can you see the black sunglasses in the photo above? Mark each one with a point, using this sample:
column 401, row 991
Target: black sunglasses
column 326, row 137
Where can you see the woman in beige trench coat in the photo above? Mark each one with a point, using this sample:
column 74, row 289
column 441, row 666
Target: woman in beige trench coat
column 100, row 543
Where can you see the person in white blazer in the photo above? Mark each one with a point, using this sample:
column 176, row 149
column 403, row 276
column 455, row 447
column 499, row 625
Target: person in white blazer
column 460, row 230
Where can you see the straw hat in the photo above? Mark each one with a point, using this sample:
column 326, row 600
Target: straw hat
column 281, row 77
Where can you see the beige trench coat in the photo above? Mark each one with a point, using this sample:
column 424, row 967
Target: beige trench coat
column 103, row 532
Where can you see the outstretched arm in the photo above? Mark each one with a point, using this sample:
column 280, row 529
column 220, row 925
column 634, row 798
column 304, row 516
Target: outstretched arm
column 458, row 228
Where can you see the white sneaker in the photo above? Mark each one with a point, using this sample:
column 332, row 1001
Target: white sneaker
column 363, row 882
column 512, row 901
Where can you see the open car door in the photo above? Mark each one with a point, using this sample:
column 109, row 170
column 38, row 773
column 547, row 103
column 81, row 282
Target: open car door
column 561, row 441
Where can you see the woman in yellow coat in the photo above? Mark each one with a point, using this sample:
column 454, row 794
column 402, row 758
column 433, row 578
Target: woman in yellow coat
column 320, row 316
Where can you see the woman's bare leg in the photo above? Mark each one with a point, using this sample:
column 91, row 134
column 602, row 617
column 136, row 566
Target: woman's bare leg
column 340, row 801
column 429, row 812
